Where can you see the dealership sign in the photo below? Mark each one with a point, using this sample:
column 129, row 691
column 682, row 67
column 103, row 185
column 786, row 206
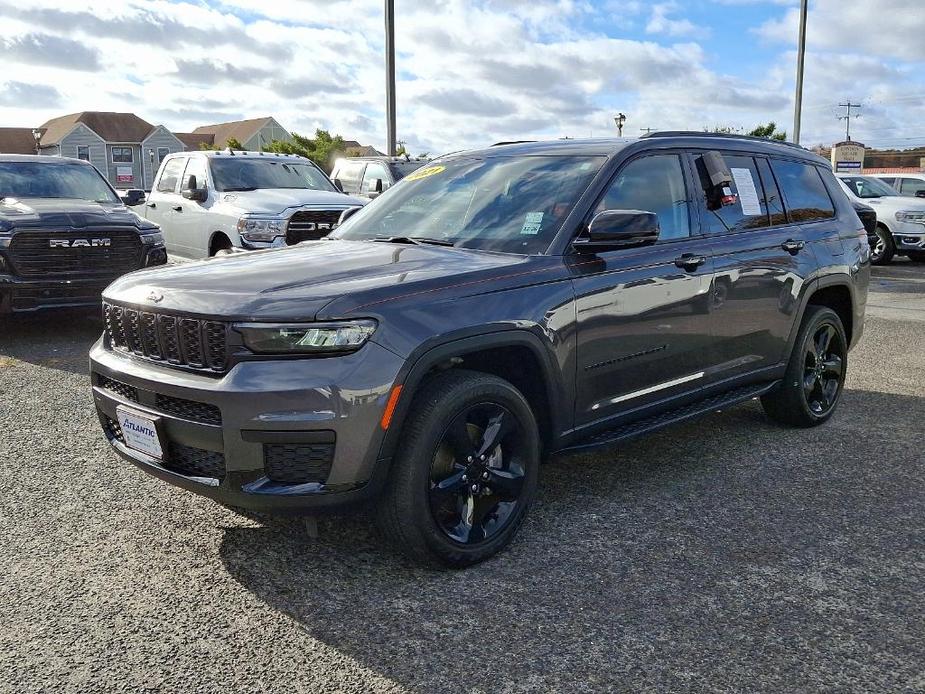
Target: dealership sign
column 124, row 174
column 848, row 156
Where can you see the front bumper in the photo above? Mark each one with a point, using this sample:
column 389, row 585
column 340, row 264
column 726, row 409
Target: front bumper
column 224, row 437
column 908, row 236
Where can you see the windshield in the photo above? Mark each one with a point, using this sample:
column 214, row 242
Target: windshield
column 27, row 179
column 867, row 187
column 512, row 204
column 245, row 173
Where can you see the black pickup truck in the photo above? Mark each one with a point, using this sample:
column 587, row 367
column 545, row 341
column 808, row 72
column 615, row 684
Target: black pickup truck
column 65, row 234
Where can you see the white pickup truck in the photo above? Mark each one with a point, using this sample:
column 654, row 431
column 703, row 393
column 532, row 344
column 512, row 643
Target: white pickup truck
column 211, row 203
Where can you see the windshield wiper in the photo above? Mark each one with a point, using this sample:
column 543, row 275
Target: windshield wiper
column 415, row 240
column 239, row 189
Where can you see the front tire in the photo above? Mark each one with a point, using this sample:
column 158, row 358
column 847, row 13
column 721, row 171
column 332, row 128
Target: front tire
column 465, row 473
column 883, row 251
column 812, row 385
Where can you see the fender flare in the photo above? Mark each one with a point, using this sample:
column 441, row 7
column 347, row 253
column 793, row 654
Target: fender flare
column 422, row 361
column 812, row 286
column 216, row 233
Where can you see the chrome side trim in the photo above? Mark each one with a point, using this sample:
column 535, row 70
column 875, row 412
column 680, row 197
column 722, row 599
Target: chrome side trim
column 656, row 388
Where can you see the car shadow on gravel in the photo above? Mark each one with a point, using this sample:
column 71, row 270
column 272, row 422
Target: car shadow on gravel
column 724, row 551
column 57, row 339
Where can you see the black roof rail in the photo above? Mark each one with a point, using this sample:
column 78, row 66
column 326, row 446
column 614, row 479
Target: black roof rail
column 732, row 136
column 512, row 142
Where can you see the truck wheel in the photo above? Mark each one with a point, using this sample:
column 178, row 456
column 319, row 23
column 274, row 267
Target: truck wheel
column 465, row 473
column 883, row 251
column 815, row 376
column 221, row 245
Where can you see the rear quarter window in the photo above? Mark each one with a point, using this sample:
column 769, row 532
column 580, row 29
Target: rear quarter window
column 805, row 195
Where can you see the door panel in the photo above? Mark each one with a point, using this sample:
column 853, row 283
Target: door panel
column 643, row 314
column 161, row 201
column 191, row 221
column 761, row 262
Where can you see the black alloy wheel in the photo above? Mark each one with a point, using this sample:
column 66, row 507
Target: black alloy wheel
column 477, row 476
column 824, row 368
column 465, row 472
column 814, row 380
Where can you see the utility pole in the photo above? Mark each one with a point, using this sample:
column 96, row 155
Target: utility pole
column 390, row 74
column 801, row 55
column 847, row 117
column 647, row 131
column 619, row 120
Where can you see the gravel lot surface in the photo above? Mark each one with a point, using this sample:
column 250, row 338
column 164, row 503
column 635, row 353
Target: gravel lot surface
column 727, row 554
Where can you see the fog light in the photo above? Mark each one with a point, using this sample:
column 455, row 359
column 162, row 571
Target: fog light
column 157, row 257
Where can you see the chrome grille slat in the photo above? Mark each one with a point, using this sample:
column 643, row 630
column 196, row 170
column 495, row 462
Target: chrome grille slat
column 186, row 342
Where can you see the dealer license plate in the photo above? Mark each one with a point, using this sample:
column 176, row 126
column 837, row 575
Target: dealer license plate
column 139, row 431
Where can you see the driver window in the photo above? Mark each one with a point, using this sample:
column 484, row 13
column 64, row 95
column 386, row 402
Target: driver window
column 170, row 174
column 195, row 167
column 374, row 170
column 653, row 184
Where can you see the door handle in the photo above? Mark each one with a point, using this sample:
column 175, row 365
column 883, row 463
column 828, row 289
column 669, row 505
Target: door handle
column 689, row 261
column 152, row 205
column 793, row 246
column 177, row 208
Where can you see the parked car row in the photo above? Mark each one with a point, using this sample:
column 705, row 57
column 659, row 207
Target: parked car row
column 900, row 226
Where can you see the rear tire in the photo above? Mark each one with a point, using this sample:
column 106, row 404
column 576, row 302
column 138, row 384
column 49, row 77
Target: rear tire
column 812, row 385
column 883, row 251
column 465, row 473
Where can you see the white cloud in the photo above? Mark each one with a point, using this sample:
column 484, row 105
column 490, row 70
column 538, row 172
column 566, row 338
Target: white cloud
column 470, row 72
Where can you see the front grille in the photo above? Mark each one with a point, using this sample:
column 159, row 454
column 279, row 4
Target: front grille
column 298, row 463
column 25, row 298
column 188, row 409
column 311, row 225
column 116, row 252
column 189, row 342
column 194, row 462
column 122, row 389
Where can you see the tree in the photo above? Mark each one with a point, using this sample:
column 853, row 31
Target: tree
column 320, row 150
column 232, row 143
column 769, row 131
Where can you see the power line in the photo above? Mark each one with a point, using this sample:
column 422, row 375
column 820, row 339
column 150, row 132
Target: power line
column 847, row 117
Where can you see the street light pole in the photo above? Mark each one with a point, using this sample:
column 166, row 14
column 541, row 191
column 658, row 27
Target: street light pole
column 801, row 54
column 390, row 74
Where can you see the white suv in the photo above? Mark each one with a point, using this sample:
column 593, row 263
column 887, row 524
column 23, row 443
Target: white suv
column 900, row 219
column 907, row 183
column 211, row 203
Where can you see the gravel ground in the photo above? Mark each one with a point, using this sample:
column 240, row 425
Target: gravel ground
column 727, row 554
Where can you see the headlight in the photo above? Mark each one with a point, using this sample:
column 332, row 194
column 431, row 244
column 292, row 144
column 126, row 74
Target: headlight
column 308, row 338
column 913, row 217
column 156, row 239
column 261, row 229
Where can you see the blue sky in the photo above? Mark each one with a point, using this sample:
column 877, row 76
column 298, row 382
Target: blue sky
column 470, row 71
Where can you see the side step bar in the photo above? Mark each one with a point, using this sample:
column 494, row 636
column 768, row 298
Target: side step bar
column 655, row 422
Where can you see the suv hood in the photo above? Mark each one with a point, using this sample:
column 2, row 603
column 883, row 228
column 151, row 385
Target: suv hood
column 65, row 212
column 296, row 283
column 277, row 200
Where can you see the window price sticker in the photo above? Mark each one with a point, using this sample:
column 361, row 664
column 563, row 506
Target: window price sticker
column 532, row 224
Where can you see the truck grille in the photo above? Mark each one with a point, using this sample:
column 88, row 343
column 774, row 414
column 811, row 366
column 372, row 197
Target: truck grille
column 311, row 225
column 187, row 342
column 117, row 251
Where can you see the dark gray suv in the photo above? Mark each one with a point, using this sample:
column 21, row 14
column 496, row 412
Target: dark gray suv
column 490, row 309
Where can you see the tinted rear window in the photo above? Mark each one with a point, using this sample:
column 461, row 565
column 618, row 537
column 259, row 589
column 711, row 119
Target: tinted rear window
column 804, row 192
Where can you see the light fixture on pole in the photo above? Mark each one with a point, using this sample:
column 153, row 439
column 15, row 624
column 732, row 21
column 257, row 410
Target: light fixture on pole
column 37, row 136
column 619, row 120
column 801, row 54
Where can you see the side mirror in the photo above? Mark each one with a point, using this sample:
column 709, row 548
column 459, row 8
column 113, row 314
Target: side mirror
column 338, row 184
column 347, row 214
column 614, row 229
column 195, row 194
column 133, row 197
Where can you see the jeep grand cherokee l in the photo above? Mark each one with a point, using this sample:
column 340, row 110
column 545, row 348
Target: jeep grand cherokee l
column 65, row 234
column 491, row 308
column 213, row 203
